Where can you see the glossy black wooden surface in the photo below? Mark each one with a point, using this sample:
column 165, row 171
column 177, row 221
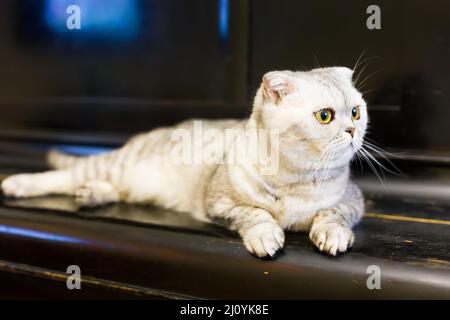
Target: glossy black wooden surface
column 160, row 251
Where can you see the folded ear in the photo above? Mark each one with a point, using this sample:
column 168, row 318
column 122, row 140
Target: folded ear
column 344, row 73
column 277, row 84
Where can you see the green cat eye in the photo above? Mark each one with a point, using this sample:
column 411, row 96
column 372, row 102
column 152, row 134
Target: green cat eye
column 324, row 116
column 355, row 113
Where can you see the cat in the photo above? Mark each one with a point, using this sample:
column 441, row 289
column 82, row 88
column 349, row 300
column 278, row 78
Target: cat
column 320, row 118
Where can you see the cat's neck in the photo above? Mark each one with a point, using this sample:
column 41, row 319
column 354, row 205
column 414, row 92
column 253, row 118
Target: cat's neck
column 306, row 177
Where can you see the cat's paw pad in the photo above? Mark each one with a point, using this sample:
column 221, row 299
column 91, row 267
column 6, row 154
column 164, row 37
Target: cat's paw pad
column 20, row 185
column 264, row 239
column 93, row 193
column 331, row 238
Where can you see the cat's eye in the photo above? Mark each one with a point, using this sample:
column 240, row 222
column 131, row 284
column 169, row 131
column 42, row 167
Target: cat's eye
column 355, row 113
column 324, row 115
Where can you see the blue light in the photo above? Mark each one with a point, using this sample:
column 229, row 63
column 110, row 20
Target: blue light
column 81, row 150
column 99, row 18
column 223, row 22
column 77, row 150
column 39, row 235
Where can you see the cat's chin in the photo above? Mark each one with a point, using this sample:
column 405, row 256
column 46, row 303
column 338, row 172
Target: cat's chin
column 345, row 155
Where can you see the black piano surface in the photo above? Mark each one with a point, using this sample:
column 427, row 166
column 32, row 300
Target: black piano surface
column 127, row 251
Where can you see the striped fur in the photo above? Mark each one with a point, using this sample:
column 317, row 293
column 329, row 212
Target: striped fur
column 310, row 192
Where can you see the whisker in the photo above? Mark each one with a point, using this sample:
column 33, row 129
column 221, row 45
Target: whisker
column 367, row 91
column 377, row 162
column 361, row 71
column 360, row 85
column 314, row 169
column 313, row 173
column 368, row 58
column 316, row 61
column 317, row 165
column 325, row 171
column 380, row 152
column 359, row 58
column 368, row 161
column 359, row 75
column 380, row 164
column 361, row 167
column 372, row 143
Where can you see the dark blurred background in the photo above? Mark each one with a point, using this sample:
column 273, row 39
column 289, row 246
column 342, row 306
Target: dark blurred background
column 138, row 64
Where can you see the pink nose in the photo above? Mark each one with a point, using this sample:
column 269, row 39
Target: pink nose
column 350, row 130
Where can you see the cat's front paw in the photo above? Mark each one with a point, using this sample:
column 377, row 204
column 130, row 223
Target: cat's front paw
column 331, row 238
column 19, row 185
column 264, row 239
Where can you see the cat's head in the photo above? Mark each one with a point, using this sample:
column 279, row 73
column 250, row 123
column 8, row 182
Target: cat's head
column 318, row 113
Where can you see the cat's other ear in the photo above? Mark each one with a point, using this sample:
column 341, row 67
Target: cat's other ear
column 344, row 73
column 277, row 85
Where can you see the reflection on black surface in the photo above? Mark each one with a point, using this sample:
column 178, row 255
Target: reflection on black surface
column 410, row 240
column 122, row 212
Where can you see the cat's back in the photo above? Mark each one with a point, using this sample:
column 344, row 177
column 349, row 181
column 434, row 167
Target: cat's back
column 207, row 124
column 172, row 171
column 194, row 128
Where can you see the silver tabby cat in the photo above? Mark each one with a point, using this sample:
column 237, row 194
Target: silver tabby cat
column 320, row 118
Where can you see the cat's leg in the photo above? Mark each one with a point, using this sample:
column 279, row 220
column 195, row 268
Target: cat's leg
column 88, row 194
column 38, row 184
column 331, row 228
column 95, row 193
column 261, row 234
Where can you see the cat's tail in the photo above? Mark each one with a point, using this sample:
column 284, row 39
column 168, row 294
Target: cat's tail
column 59, row 160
